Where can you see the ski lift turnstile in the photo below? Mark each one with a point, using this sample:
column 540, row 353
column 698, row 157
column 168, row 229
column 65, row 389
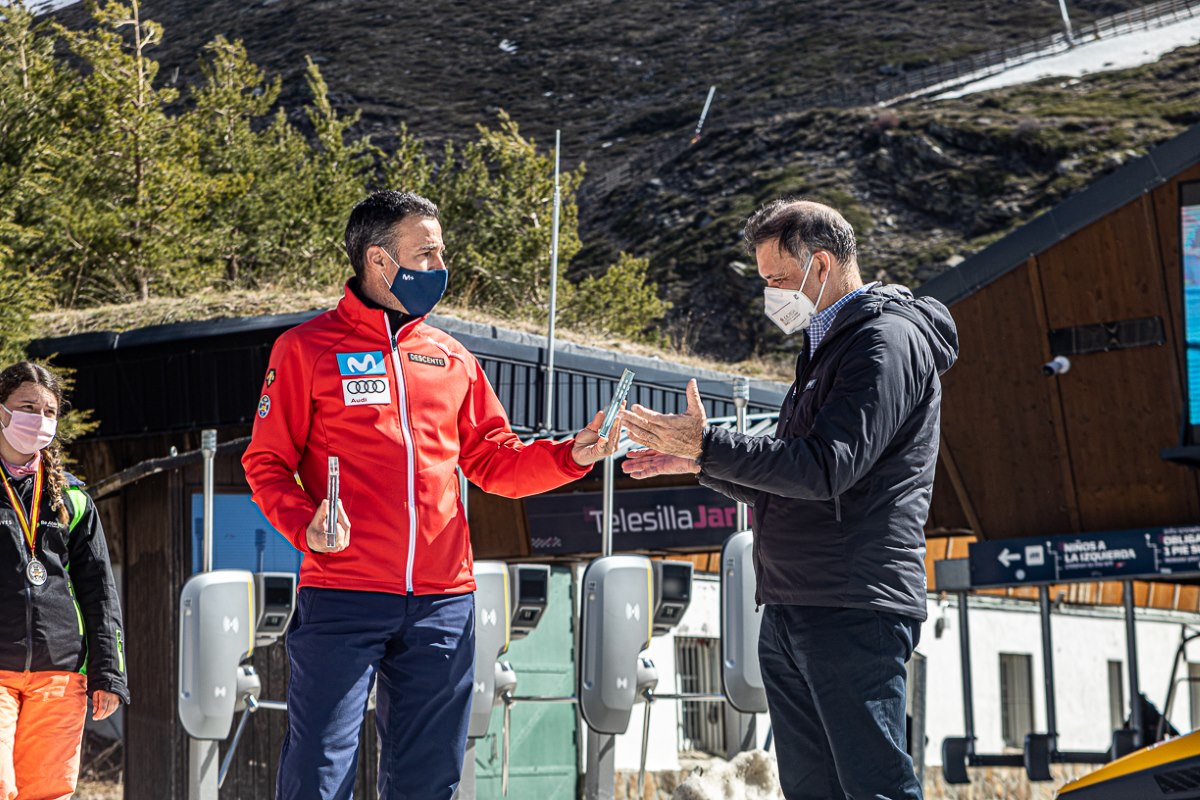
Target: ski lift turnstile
column 223, row 616
column 509, row 603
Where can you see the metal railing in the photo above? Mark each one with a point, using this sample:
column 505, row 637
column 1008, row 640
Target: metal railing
column 940, row 77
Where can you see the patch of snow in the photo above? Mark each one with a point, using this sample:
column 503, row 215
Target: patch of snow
column 508, row 46
column 752, row 775
column 43, row 6
column 1117, row 52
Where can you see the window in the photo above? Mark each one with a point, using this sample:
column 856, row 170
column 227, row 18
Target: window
column 1016, row 697
column 1116, row 694
column 1189, row 228
column 702, row 724
column 242, row 537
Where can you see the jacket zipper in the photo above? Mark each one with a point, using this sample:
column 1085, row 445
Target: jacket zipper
column 28, row 627
column 28, row 594
column 837, row 507
column 402, row 410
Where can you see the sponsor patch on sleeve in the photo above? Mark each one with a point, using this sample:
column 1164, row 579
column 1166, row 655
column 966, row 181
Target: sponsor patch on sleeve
column 370, row 363
column 270, row 377
column 264, row 407
column 366, row 391
column 433, row 361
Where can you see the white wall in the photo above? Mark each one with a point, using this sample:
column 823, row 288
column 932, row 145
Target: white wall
column 1085, row 640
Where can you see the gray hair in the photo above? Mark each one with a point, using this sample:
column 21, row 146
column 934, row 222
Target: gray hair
column 801, row 227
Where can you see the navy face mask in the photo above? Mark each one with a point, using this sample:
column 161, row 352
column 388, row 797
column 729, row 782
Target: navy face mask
column 418, row 290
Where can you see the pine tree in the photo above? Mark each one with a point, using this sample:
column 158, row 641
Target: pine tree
column 497, row 196
column 238, row 158
column 622, row 301
column 31, row 89
column 131, row 192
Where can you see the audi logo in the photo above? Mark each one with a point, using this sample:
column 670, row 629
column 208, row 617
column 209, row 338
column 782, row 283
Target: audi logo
column 366, row 387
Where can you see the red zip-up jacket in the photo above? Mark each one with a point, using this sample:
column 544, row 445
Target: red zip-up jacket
column 400, row 409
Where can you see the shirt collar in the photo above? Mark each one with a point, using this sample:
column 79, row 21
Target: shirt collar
column 358, row 310
column 822, row 321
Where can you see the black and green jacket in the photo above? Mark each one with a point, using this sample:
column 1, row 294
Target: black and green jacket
column 72, row 622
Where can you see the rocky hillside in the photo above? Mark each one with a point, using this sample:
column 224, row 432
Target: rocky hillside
column 924, row 185
column 625, row 82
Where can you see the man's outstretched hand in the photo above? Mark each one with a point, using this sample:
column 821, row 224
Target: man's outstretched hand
column 651, row 463
column 589, row 447
column 670, row 434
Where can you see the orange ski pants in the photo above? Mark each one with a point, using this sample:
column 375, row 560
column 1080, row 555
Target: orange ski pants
column 41, row 731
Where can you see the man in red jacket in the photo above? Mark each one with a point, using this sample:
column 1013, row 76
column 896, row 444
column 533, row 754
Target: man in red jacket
column 401, row 404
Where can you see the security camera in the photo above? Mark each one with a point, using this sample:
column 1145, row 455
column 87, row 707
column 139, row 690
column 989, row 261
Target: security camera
column 1060, row 365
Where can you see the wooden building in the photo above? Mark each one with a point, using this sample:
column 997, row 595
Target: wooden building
column 1110, row 444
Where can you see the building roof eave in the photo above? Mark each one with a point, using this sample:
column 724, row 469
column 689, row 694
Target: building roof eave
column 1068, row 217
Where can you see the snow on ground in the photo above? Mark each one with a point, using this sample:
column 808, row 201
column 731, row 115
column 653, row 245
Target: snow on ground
column 749, row 776
column 42, row 6
column 1121, row 52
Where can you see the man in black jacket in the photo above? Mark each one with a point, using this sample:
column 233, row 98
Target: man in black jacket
column 840, row 496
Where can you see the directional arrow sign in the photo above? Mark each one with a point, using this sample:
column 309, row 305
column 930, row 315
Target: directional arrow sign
column 1144, row 553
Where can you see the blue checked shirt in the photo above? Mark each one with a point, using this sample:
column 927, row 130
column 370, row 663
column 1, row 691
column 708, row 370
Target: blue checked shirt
column 823, row 321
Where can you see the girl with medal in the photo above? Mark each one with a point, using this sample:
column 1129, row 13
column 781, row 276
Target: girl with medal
column 61, row 636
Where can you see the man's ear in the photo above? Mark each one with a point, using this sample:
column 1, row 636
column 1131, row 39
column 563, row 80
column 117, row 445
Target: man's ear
column 824, row 263
column 372, row 257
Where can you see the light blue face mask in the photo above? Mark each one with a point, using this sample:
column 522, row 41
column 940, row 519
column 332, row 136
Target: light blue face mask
column 418, row 290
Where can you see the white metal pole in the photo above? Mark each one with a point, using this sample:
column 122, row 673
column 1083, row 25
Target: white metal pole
column 204, row 756
column 553, row 284
column 741, row 398
column 208, row 448
column 1062, row 6
column 606, row 531
column 712, row 90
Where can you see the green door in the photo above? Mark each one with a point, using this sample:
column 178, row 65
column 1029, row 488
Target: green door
column 542, row 761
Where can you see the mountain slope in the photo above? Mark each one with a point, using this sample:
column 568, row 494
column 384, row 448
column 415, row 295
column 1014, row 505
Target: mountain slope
column 625, row 82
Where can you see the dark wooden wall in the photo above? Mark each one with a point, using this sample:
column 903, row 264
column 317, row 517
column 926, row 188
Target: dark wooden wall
column 155, row 565
column 1079, row 452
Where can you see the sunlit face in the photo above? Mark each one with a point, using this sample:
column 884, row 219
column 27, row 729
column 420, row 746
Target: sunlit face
column 32, row 398
column 781, row 270
column 417, row 245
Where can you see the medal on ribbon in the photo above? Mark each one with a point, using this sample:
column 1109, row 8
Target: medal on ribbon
column 35, row 570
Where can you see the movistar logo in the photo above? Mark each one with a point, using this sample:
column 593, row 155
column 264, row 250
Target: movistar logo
column 361, row 363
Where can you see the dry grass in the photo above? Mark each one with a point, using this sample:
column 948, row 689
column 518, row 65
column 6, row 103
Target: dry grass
column 212, row 304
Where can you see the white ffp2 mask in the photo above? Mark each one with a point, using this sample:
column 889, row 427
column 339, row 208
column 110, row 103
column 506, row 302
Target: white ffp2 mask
column 791, row 309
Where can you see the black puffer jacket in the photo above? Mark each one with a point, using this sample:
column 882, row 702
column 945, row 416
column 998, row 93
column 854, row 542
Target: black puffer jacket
column 72, row 622
column 841, row 491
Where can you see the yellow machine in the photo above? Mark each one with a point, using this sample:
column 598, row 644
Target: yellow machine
column 1168, row 770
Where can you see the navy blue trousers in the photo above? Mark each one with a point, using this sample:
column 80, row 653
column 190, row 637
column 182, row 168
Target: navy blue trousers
column 835, row 683
column 421, row 649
